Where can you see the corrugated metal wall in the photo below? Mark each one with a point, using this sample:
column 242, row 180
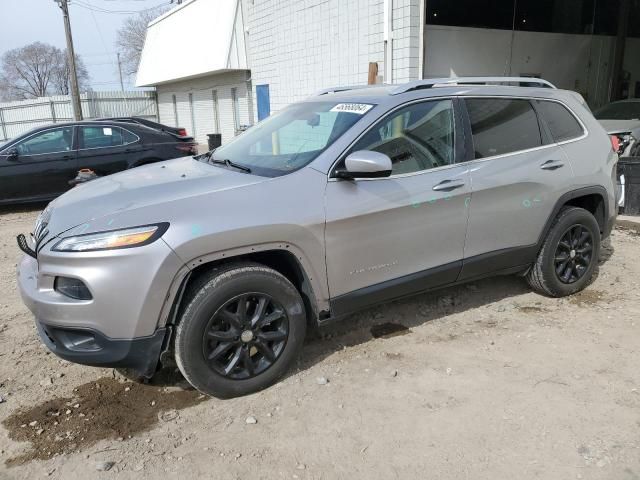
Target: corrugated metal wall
column 17, row 118
column 207, row 118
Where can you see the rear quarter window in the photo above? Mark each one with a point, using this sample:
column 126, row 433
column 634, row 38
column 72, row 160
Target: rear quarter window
column 128, row 137
column 561, row 122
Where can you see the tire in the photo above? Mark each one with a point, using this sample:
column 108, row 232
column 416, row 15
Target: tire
column 212, row 332
column 544, row 277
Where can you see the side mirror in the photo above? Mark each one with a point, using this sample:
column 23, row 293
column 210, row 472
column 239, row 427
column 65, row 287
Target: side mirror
column 12, row 154
column 365, row 164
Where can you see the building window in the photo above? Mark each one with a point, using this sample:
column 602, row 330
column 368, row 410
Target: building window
column 175, row 110
column 557, row 16
column 236, row 110
column 216, row 112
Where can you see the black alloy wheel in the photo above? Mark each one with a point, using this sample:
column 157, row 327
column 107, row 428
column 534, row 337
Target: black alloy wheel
column 574, row 254
column 245, row 336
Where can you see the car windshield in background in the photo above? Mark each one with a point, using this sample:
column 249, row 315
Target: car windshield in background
column 619, row 111
column 290, row 139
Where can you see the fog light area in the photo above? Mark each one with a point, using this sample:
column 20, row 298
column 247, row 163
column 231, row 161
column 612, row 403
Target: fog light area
column 72, row 287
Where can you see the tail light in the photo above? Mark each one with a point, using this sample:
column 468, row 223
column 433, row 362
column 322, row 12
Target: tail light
column 182, row 132
column 615, row 143
column 189, row 148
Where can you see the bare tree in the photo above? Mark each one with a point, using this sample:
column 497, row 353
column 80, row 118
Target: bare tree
column 27, row 71
column 37, row 70
column 60, row 81
column 131, row 36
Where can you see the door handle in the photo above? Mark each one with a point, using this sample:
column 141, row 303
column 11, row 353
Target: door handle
column 448, row 185
column 552, row 165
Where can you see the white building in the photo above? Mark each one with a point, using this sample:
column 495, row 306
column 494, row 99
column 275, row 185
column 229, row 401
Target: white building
column 220, row 64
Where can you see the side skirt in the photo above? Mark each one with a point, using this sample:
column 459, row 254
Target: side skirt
column 502, row 262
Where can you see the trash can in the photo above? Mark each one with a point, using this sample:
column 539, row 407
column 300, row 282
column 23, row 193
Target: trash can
column 214, row 140
column 629, row 178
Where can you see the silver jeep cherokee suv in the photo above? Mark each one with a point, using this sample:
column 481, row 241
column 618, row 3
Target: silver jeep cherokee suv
column 352, row 197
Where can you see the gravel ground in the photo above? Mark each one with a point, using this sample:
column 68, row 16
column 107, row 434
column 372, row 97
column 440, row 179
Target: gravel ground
column 483, row 381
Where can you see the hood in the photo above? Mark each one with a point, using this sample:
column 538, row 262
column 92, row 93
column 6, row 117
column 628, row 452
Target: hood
column 152, row 185
column 620, row 126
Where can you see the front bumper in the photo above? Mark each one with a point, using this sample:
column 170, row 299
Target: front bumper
column 129, row 288
column 119, row 326
column 90, row 347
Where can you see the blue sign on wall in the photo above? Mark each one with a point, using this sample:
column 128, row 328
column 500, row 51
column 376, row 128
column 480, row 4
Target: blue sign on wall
column 264, row 103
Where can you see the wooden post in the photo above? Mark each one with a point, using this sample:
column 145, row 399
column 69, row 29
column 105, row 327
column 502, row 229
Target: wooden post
column 52, row 106
column 4, row 128
column 373, row 73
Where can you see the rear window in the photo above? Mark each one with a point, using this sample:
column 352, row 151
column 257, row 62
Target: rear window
column 105, row 136
column 501, row 126
column 562, row 124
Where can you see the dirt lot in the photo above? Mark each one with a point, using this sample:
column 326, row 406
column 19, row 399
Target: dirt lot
column 487, row 381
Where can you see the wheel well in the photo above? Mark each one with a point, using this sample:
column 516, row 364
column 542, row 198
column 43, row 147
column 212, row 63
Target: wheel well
column 282, row 261
column 593, row 203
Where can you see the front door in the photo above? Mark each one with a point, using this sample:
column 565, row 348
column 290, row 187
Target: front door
column 399, row 235
column 40, row 166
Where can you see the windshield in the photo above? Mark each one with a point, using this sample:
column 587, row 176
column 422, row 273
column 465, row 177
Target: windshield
column 619, row 111
column 290, row 139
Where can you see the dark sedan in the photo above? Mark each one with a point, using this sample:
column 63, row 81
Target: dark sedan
column 42, row 164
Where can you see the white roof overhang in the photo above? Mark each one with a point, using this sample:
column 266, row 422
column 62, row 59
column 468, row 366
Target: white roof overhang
column 196, row 38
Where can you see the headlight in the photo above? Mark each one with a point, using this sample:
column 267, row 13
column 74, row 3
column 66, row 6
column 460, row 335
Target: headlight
column 113, row 239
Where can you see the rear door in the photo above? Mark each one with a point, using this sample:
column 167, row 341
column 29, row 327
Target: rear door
column 518, row 173
column 43, row 166
column 106, row 149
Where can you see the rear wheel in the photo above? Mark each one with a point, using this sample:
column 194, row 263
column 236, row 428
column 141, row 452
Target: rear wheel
column 569, row 255
column 241, row 330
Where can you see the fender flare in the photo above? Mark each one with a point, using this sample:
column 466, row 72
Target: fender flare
column 566, row 197
column 318, row 294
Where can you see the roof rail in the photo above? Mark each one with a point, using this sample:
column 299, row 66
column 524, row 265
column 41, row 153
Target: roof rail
column 442, row 82
column 326, row 91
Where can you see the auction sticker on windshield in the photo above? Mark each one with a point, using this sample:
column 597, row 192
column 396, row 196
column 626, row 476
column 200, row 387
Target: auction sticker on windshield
column 359, row 108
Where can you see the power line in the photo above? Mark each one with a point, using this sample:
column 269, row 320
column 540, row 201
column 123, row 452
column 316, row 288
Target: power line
column 95, row 8
column 110, row 53
column 95, row 21
column 99, row 64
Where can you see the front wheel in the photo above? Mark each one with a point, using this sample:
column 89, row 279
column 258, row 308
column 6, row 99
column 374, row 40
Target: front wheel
column 569, row 255
column 241, row 330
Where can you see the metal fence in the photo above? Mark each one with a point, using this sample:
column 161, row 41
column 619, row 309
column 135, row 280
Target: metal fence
column 21, row 116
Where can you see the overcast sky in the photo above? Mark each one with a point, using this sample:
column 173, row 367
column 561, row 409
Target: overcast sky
column 94, row 32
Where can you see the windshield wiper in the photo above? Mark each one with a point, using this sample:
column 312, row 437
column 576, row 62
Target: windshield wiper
column 228, row 163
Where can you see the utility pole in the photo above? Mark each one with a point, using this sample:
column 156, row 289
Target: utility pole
column 75, row 94
column 120, row 72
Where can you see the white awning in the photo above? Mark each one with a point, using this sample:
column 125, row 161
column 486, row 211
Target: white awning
column 196, row 38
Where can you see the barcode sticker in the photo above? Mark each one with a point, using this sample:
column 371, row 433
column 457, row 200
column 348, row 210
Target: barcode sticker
column 358, row 108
